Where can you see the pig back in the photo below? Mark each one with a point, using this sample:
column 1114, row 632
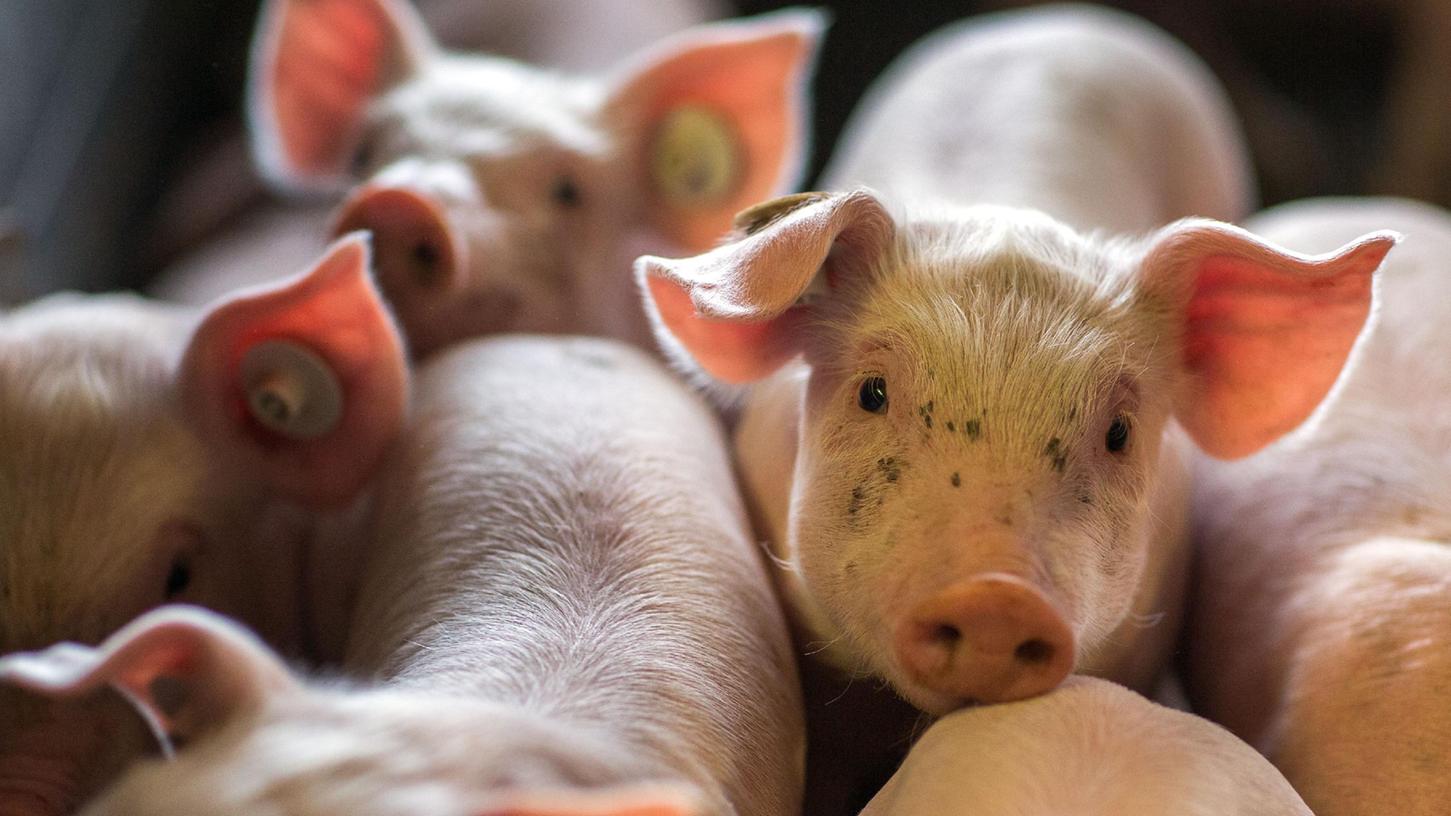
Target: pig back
column 559, row 529
column 1090, row 115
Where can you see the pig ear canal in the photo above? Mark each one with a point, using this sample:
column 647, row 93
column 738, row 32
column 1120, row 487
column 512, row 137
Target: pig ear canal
column 315, row 67
column 722, row 120
column 188, row 671
column 740, row 311
column 1265, row 331
column 306, row 382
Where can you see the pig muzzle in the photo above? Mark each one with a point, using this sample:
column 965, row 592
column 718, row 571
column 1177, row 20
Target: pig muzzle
column 993, row 638
column 418, row 252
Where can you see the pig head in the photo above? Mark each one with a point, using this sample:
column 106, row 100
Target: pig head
column 258, row 740
column 146, row 457
column 966, row 460
column 504, row 197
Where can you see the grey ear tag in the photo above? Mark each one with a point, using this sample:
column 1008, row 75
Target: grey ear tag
column 291, row 390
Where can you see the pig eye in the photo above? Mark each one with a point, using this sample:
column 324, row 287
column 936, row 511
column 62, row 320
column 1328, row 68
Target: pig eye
column 362, row 157
column 872, row 396
column 178, row 578
column 1117, row 437
column 565, row 192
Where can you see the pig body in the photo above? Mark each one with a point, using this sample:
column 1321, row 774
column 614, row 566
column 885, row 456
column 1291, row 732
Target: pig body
column 968, row 422
column 508, row 197
column 131, row 474
column 562, row 599
column 1092, row 116
column 1089, row 747
column 1319, row 616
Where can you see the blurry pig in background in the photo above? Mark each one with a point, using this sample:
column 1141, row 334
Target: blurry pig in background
column 1089, row 748
column 968, row 439
column 505, row 197
column 1318, row 630
column 151, row 453
column 563, row 602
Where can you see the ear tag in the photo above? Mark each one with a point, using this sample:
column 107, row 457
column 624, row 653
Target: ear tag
column 291, row 390
column 694, row 159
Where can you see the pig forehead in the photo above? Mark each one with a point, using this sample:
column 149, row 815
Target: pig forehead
column 479, row 106
column 1009, row 321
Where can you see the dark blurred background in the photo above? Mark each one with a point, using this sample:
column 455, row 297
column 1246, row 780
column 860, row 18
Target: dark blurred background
column 121, row 123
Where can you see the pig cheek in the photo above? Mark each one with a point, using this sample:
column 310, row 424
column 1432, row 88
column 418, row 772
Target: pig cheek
column 844, row 536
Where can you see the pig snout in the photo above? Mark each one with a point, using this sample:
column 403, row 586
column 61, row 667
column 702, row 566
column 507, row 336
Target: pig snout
column 992, row 638
column 417, row 251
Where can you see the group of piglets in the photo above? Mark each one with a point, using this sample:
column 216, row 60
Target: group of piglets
column 978, row 396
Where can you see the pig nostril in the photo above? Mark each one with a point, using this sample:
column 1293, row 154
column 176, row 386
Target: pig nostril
column 426, row 269
column 946, row 634
column 1034, row 651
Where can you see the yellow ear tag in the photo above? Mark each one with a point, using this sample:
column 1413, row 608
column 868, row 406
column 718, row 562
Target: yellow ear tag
column 694, row 159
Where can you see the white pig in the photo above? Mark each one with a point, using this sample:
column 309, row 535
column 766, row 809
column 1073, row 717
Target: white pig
column 504, row 197
column 968, row 447
column 1089, row 748
column 1319, row 624
column 562, row 600
column 151, row 453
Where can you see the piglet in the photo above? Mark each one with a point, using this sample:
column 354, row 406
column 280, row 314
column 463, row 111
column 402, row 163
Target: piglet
column 1090, row 748
column 1323, row 599
column 151, row 453
column 563, row 612
column 969, row 431
column 505, row 197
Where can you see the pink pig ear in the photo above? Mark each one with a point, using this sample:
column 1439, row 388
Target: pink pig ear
column 186, row 669
column 315, row 66
column 1266, row 331
column 645, row 800
column 718, row 117
column 306, row 382
column 738, row 310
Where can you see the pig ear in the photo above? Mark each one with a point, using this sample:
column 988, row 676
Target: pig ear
column 186, row 669
column 1266, row 331
column 306, row 382
column 738, row 310
column 719, row 115
column 315, row 66
column 646, row 800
